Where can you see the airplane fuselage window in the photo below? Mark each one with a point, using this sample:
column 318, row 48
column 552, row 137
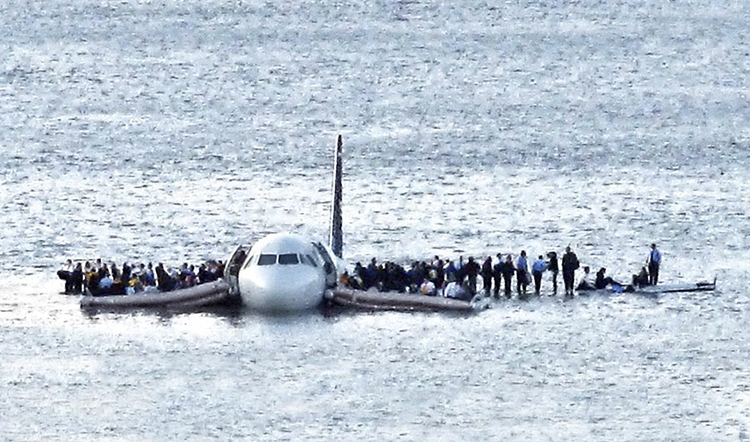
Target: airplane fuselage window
column 266, row 260
column 288, row 259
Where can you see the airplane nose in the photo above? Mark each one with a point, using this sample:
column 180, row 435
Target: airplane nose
column 282, row 289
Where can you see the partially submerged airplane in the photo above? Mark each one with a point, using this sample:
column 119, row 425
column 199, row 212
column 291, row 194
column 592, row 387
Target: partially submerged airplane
column 285, row 272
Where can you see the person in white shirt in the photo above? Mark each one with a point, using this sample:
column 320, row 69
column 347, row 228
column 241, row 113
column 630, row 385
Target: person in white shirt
column 455, row 290
column 654, row 261
column 427, row 288
column 586, row 282
column 65, row 273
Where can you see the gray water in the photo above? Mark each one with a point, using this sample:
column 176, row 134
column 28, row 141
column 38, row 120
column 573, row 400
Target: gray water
column 173, row 130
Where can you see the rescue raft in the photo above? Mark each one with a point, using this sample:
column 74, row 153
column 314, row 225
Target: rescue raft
column 212, row 293
column 375, row 300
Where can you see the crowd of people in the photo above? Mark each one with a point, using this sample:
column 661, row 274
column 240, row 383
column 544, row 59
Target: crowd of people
column 438, row 277
column 101, row 279
column 461, row 280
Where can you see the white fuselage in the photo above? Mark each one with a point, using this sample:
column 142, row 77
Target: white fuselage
column 285, row 273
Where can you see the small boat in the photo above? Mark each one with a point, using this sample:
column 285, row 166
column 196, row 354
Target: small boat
column 212, row 293
column 375, row 300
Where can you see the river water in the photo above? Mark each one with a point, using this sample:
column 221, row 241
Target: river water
column 173, row 130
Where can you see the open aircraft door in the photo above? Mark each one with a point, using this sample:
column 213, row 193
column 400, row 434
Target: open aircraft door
column 330, row 266
column 232, row 270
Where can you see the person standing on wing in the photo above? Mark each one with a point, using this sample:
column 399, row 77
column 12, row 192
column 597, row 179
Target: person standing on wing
column 553, row 267
column 569, row 266
column 654, row 261
column 537, row 269
column 487, row 273
column 507, row 269
column 522, row 275
column 497, row 275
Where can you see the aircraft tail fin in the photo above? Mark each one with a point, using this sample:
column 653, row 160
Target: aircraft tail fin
column 336, row 238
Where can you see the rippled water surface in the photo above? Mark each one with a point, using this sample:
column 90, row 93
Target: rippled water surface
column 173, row 130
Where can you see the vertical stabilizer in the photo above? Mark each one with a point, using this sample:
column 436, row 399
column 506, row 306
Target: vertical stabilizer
column 336, row 239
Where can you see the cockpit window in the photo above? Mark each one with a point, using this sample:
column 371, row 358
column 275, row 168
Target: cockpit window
column 283, row 259
column 288, row 259
column 266, row 260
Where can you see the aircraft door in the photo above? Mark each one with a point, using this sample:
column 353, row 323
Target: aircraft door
column 232, row 270
column 329, row 266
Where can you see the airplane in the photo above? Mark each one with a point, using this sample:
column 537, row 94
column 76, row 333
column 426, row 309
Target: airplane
column 286, row 272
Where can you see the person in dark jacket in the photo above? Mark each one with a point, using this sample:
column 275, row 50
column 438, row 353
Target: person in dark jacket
column 487, row 276
column 497, row 275
column 602, row 280
column 522, row 274
column 507, row 269
column 77, row 278
column 569, row 266
column 164, row 281
column 439, row 273
column 553, row 267
column 472, row 269
column 65, row 273
column 641, row 279
column 450, row 272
